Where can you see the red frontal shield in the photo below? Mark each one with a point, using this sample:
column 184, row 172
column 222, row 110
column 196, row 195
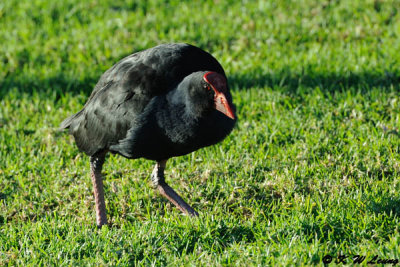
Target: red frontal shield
column 218, row 84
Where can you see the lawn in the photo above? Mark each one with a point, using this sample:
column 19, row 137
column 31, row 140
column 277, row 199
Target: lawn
column 310, row 172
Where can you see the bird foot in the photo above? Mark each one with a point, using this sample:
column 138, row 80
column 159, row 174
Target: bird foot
column 158, row 180
column 96, row 164
column 172, row 196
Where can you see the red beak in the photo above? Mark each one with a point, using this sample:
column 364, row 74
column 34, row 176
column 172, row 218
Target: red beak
column 218, row 84
column 221, row 104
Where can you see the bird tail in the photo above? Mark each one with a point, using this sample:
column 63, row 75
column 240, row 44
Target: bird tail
column 68, row 121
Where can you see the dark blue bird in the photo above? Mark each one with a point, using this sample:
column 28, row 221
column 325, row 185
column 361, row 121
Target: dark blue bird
column 159, row 103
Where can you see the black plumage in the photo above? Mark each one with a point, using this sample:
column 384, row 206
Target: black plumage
column 159, row 103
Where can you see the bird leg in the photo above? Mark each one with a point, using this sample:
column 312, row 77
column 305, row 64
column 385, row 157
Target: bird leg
column 96, row 164
column 158, row 180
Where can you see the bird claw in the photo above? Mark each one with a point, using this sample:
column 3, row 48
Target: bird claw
column 172, row 196
column 158, row 180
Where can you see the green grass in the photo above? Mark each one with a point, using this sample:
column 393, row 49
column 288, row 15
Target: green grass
column 311, row 169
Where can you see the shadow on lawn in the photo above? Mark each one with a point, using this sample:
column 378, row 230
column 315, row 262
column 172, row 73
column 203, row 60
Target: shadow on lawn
column 327, row 81
column 389, row 206
column 59, row 85
column 288, row 81
column 184, row 241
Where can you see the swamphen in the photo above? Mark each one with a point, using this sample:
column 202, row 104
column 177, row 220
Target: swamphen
column 159, row 103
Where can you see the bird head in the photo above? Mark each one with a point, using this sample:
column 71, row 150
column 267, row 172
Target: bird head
column 216, row 83
column 206, row 91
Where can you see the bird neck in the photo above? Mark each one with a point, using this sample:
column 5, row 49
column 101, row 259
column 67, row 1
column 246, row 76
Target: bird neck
column 180, row 100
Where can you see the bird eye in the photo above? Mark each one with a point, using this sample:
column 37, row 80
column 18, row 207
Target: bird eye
column 207, row 86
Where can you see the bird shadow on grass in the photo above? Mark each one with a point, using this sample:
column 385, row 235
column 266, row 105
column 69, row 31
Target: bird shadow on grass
column 285, row 79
